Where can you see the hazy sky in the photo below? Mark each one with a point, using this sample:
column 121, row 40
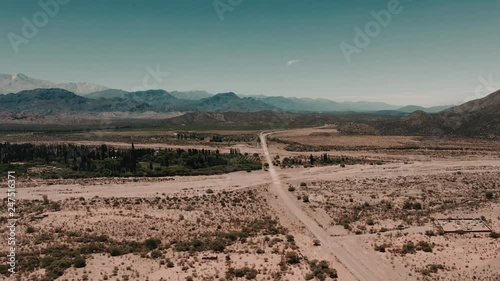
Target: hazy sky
column 430, row 52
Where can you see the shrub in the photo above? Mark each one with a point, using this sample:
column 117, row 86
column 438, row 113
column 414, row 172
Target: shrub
column 380, row 248
column 489, row 195
column 218, row 245
column 494, row 235
column 79, row 262
column 424, row 246
column 251, row 274
column 291, row 189
column 408, row 248
column 30, row 229
column 115, row 251
column 309, row 276
column 46, row 261
column 248, row 273
column 57, row 268
column 292, row 258
column 155, row 254
column 316, row 242
column 210, row 191
column 322, row 269
column 305, row 199
column 152, row 243
column 303, row 184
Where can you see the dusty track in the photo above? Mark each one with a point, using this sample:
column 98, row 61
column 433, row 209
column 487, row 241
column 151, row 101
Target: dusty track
column 363, row 271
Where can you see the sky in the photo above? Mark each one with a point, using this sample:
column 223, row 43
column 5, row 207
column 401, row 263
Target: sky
column 424, row 52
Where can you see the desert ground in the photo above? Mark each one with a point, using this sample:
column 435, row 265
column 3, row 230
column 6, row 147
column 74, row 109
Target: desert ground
column 371, row 212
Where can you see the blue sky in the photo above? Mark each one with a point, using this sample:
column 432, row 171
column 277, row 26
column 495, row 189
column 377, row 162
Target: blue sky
column 431, row 52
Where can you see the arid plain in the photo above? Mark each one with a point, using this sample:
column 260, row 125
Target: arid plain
column 324, row 206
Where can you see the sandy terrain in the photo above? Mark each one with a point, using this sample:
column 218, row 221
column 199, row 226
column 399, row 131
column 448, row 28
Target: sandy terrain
column 353, row 212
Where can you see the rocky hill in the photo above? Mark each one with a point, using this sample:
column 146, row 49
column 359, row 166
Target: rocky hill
column 477, row 118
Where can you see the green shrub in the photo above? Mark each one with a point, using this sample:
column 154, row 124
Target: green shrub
column 292, row 258
column 30, row 229
column 408, row 248
column 152, row 243
column 380, row 248
column 155, row 254
column 218, row 245
column 321, row 269
column 309, row 276
column 56, row 269
column 489, row 195
column 115, row 251
column 79, row 262
column 46, row 261
column 424, row 246
column 248, row 273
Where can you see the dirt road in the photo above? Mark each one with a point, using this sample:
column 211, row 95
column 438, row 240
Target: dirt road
column 363, row 271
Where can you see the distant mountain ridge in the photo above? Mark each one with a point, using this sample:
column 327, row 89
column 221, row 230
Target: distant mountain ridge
column 50, row 101
column 161, row 100
column 477, row 118
column 55, row 100
column 14, row 83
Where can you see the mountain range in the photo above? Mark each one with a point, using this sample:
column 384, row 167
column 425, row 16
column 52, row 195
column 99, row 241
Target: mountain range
column 477, row 118
column 161, row 100
column 13, row 83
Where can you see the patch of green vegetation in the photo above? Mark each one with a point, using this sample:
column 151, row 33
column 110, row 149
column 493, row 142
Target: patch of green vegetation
column 248, row 273
column 220, row 240
column 73, row 161
column 432, row 268
column 321, row 270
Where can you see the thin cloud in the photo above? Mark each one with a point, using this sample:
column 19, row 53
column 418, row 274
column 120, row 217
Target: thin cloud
column 291, row 62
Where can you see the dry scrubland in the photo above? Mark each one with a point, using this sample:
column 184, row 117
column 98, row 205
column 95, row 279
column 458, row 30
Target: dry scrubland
column 393, row 212
column 214, row 236
column 377, row 196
